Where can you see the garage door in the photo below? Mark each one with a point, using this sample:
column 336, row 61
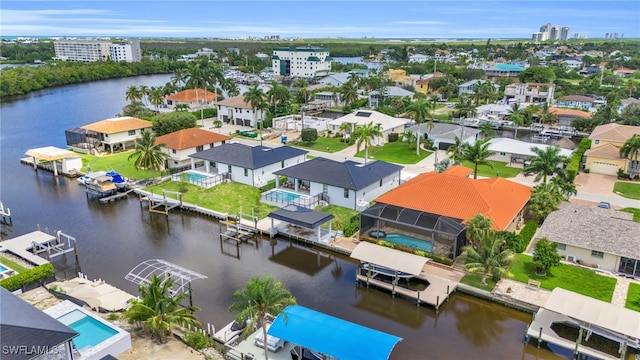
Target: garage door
column 444, row 145
column 599, row 167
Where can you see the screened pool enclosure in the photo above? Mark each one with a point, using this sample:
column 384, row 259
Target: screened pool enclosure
column 420, row 230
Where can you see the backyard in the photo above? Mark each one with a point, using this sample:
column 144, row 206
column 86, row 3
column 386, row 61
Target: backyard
column 396, row 152
column 628, row 190
column 342, row 215
column 118, row 162
column 329, row 145
column 633, row 297
column 499, row 168
column 228, row 198
column 474, row 280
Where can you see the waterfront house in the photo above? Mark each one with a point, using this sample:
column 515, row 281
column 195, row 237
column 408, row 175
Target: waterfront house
column 178, row 145
column 444, row 135
column 567, row 116
column 236, row 111
column 25, row 327
column 493, row 111
column 530, row 92
column 604, row 155
column 628, row 102
column 430, row 210
column 470, row 87
column 600, row 238
column 336, row 80
column 250, row 165
column 348, row 184
column 109, row 134
column 419, row 58
column 389, row 92
column 388, row 124
column 193, row 98
column 516, row 151
column 576, row 101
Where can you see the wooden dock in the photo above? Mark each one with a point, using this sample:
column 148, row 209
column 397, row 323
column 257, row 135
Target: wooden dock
column 435, row 294
column 114, row 197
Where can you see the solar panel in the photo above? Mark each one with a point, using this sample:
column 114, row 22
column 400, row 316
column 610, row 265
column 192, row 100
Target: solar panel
column 363, row 114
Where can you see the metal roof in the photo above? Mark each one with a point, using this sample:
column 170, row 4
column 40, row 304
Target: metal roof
column 141, row 274
column 389, row 258
column 301, row 216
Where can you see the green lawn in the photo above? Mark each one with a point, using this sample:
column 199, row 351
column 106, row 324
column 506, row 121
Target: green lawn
column 474, row 280
column 12, row 265
column 633, row 297
column 628, row 190
column 499, row 167
column 573, row 278
column 634, row 211
column 227, row 197
column 329, row 145
column 118, row 162
column 395, row 152
column 342, row 215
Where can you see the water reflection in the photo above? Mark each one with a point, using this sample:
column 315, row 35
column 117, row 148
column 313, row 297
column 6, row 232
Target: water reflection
column 488, row 322
column 308, row 261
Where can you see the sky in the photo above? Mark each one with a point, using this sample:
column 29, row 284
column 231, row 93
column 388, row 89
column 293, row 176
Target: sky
column 317, row 19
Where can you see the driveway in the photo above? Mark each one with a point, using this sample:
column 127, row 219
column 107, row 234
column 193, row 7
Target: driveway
column 595, row 183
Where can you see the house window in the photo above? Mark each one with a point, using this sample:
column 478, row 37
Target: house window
column 199, row 148
column 346, row 193
column 282, row 164
column 562, row 246
column 325, row 188
column 229, row 169
column 380, row 182
column 246, row 172
column 503, row 154
column 212, row 164
column 597, row 142
column 132, row 132
column 598, row 254
column 211, row 146
column 173, row 151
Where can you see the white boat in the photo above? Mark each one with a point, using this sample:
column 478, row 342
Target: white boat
column 386, row 271
column 230, row 332
column 90, row 177
column 273, row 343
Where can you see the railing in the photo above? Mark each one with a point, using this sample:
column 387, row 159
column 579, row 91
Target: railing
column 308, row 202
column 210, row 181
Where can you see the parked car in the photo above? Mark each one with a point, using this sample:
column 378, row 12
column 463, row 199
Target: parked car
column 604, row 205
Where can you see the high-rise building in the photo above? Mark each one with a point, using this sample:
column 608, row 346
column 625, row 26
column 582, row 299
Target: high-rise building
column 306, row 62
column 536, row 36
column 555, row 33
column 136, row 53
column 564, row 33
column 86, row 50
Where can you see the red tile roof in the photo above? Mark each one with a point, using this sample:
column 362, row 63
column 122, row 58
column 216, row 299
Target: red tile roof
column 570, row 112
column 190, row 138
column 455, row 195
column 191, row 95
column 118, row 125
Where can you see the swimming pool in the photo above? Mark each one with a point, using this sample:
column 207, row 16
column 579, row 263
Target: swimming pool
column 194, row 176
column 409, row 241
column 281, row 195
column 92, row 332
column 3, row 269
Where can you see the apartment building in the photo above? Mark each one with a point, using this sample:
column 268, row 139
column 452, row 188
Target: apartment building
column 305, row 62
column 86, row 50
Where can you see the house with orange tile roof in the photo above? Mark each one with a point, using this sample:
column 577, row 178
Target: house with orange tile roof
column 178, row 145
column 109, row 134
column 623, row 71
column 236, row 111
column 430, row 210
column 567, row 116
column 604, row 155
column 193, row 98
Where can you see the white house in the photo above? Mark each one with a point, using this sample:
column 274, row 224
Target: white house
column 109, row 134
column 418, row 58
column 236, row 111
column 530, row 92
column 304, row 61
column 348, row 184
column 336, row 80
column 444, row 135
column 178, row 145
column 389, row 92
column 470, row 87
column 516, row 151
column 388, row 124
column 250, row 165
column 600, row 238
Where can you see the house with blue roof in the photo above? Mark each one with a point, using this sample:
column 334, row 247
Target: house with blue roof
column 250, row 165
column 496, row 71
column 348, row 184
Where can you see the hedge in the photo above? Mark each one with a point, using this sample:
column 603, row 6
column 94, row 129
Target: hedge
column 576, row 158
column 28, row 277
column 528, row 231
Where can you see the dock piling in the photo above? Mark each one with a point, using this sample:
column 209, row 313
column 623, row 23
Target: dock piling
column 539, row 337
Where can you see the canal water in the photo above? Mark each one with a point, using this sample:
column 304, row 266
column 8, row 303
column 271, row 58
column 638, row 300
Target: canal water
column 115, row 237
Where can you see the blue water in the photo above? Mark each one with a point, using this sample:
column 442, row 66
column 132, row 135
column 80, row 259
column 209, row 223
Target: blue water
column 195, row 176
column 283, row 195
column 3, row 269
column 92, row 332
column 409, row 241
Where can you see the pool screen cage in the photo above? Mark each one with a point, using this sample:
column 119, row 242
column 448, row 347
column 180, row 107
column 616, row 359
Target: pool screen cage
column 141, row 274
column 447, row 235
column 82, row 138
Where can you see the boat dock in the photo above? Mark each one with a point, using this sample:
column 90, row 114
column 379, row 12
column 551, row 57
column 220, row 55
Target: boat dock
column 5, row 214
column 39, row 242
column 114, row 197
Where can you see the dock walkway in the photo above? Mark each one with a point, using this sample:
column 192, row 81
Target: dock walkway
column 19, row 246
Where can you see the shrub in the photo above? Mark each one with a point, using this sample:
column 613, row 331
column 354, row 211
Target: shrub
column 587, row 170
column 576, row 158
column 545, row 256
column 27, row 277
column 113, row 316
column 387, row 244
column 512, row 241
column 440, row 259
column 197, row 340
column 309, row 135
column 351, row 229
column 217, row 124
column 528, row 231
column 206, row 113
column 393, row 137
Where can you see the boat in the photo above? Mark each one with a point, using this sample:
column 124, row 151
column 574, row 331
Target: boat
column 386, row 271
column 303, row 353
column 117, row 179
column 89, row 177
column 230, row 332
column 98, row 183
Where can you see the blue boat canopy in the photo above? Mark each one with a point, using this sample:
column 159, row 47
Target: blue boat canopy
column 331, row 336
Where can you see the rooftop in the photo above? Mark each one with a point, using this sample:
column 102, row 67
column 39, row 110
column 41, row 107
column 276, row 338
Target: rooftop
column 235, row 102
column 570, row 112
column 118, row 125
column 363, row 117
column 190, row 138
column 614, row 132
column 250, row 157
column 518, row 147
column 192, row 95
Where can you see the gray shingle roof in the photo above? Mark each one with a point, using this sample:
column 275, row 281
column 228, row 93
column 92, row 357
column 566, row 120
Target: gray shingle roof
column 21, row 324
column 610, row 231
column 301, row 216
column 250, row 157
column 349, row 174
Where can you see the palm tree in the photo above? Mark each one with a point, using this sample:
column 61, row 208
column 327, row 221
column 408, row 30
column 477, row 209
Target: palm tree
column 545, row 163
column 546, row 116
column 545, row 198
column 486, row 130
column 630, row 149
column 230, row 87
column 179, row 77
column 516, row 116
column 261, row 298
column 303, row 95
column 144, row 91
column 344, row 128
column 420, row 112
column 255, row 97
column 196, row 80
column 349, row 93
column 364, row 134
column 158, row 311
column 465, row 107
column 478, row 154
column 149, row 156
column 489, row 258
column 476, row 228
column 156, row 97
column 133, row 94
column 457, row 150
column 278, row 94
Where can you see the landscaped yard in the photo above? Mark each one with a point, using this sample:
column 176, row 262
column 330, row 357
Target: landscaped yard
column 329, row 145
column 634, row 211
column 628, row 190
column 12, row 265
column 227, row 197
column 499, row 168
column 342, row 215
column 569, row 277
column 118, row 162
column 633, row 297
column 474, row 280
column 395, row 152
